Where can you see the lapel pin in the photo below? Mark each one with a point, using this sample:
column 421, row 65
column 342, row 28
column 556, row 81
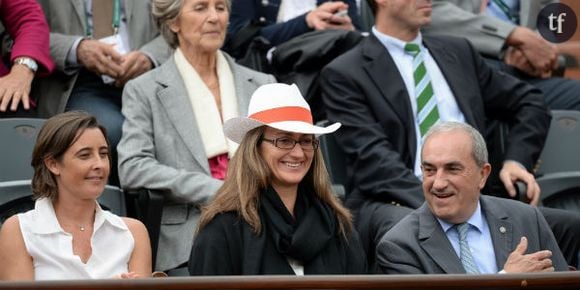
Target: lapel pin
column 502, row 230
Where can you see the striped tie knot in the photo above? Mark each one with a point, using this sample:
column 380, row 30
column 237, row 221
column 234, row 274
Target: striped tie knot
column 462, row 229
column 412, row 49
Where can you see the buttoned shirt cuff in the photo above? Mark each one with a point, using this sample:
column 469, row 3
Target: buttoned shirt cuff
column 71, row 57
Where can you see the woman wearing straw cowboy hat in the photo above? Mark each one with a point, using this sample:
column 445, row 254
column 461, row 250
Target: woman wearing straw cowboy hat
column 275, row 213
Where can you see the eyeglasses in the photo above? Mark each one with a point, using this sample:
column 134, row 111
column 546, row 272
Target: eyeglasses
column 287, row 143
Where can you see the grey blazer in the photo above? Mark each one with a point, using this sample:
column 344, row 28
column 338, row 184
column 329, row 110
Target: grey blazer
column 67, row 22
column 488, row 34
column 418, row 245
column 161, row 149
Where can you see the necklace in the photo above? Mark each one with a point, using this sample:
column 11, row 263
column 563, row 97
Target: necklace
column 82, row 228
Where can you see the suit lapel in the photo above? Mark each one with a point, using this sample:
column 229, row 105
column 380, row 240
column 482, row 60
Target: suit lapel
column 436, row 244
column 242, row 83
column 501, row 230
column 451, row 68
column 177, row 107
column 79, row 7
column 382, row 71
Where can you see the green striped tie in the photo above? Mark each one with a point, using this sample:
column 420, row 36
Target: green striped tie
column 427, row 113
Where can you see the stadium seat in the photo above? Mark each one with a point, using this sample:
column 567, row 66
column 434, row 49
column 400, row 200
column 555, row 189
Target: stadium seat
column 334, row 160
column 558, row 168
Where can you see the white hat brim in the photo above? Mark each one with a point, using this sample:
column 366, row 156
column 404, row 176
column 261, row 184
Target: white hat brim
column 236, row 128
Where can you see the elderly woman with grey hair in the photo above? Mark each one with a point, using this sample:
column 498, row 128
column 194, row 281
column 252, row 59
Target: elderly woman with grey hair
column 172, row 135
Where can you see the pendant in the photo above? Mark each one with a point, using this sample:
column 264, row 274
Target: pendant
column 82, row 228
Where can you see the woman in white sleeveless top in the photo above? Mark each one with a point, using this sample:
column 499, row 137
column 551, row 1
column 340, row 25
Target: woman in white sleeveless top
column 68, row 235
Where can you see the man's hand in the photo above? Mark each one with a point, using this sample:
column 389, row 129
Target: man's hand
column 513, row 171
column 515, row 57
column 542, row 55
column 519, row 262
column 100, row 58
column 133, row 65
column 15, row 88
column 323, row 17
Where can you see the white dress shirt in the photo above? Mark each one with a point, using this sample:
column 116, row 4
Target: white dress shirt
column 51, row 247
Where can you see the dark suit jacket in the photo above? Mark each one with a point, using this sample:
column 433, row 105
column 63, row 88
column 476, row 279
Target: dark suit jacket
column 418, row 245
column 364, row 91
column 244, row 11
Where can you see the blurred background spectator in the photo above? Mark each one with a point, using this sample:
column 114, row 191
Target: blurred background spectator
column 24, row 51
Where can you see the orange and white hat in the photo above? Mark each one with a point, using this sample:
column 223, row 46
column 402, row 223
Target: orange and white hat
column 279, row 106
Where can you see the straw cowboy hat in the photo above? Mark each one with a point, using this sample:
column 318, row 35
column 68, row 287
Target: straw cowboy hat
column 279, row 106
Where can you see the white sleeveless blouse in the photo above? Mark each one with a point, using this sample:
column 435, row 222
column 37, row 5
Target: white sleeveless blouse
column 51, row 247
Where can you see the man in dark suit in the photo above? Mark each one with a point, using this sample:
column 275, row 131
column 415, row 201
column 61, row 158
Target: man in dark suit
column 459, row 231
column 371, row 91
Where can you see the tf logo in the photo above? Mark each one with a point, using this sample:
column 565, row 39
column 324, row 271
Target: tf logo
column 556, row 22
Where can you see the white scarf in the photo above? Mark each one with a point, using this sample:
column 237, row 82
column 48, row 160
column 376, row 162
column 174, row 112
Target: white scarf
column 205, row 110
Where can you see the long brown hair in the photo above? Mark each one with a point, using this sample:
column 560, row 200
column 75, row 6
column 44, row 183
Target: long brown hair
column 248, row 174
column 55, row 137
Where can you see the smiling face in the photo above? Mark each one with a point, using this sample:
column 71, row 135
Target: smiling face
column 83, row 169
column 452, row 180
column 288, row 166
column 201, row 25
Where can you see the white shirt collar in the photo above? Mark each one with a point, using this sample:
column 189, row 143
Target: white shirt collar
column 48, row 223
column 394, row 45
column 475, row 220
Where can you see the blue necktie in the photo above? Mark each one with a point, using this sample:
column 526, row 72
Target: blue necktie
column 464, row 252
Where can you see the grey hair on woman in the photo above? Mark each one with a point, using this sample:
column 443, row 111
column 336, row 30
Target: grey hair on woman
column 165, row 12
column 479, row 149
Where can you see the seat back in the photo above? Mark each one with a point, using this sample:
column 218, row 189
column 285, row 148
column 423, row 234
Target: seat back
column 16, row 197
column 334, row 160
column 147, row 206
column 18, row 138
column 561, row 152
column 558, row 168
column 366, row 16
column 113, row 199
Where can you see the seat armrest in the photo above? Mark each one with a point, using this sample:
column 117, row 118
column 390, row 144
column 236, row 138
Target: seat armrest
column 553, row 183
